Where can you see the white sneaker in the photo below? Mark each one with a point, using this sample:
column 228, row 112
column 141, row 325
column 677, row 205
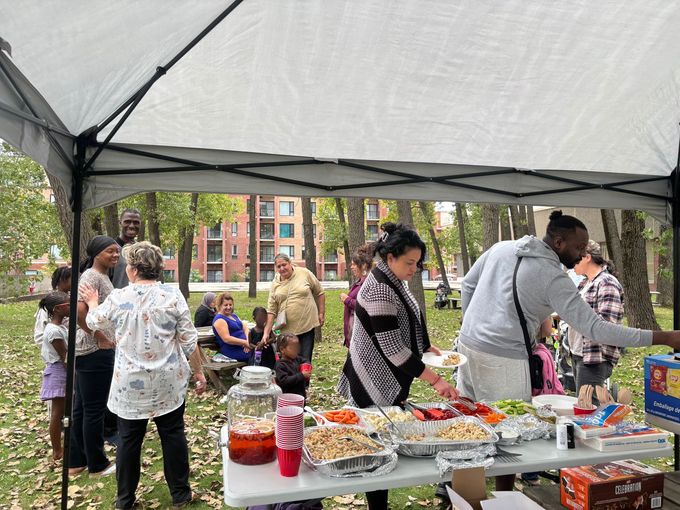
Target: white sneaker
column 108, row 471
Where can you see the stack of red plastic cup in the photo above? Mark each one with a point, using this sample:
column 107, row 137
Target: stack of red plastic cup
column 289, row 438
column 290, row 399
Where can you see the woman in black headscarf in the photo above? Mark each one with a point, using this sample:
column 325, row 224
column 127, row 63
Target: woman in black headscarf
column 94, row 366
column 205, row 313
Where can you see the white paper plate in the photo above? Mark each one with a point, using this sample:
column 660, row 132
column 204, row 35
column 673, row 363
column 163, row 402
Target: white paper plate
column 431, row 359
column 563, row 405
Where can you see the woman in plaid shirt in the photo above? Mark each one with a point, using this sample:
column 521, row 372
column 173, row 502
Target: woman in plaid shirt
column 593, row 363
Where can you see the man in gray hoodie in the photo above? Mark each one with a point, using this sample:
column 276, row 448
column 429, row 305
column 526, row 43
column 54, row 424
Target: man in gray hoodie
column 491, row 335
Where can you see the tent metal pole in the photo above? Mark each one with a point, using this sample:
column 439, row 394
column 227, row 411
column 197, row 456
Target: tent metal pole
column 676, row 279
column 77, row 207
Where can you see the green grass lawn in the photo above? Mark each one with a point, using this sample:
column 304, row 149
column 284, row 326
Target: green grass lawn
column 30, row 480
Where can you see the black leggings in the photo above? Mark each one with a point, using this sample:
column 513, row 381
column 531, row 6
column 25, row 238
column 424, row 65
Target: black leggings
column 306, row 344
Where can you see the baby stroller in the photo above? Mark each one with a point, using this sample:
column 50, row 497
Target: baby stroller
column 441, row 299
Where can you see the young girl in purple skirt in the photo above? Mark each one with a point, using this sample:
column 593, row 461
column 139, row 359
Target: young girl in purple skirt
column 53, row 351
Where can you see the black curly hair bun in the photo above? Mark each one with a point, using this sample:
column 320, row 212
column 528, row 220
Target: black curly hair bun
column 555, row 215
column 388, row 227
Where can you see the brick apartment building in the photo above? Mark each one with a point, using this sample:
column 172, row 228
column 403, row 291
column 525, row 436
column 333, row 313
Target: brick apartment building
column 221, row 251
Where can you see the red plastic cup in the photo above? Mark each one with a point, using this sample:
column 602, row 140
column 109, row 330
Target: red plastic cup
column 289, row 461
column 290, row 399
column 581, row 411
column 306, row 367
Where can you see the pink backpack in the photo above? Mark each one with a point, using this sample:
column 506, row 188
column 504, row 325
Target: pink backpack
column 551, row 384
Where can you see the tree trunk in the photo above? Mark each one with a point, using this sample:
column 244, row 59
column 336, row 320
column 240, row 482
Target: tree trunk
column 66, row 217
column 460, row 218
column 356, row 233
column 504, row 215
column 416, row 283
column 429, row 219
column 111, row 223
column 345, row 243
column 490, row 219
column 184, row 255
column 308, row 231
column 664, row 276
column 252, row 247
column 522, row 215
column 611, row 236
column 142, row 231
column 531, row 221
column 516, row 220
column 152, row 219
column 638, row 302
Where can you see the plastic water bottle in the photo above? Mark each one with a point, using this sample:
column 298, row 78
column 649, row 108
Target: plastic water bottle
column 258, row 358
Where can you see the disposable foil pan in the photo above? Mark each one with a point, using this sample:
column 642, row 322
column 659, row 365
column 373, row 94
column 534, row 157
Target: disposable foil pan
column 430, row 446
column 346, row 466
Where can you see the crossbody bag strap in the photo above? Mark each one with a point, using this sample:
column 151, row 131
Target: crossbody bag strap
column 520, row 314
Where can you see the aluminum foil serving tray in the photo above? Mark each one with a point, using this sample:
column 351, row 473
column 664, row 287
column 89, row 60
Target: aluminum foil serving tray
column 351, row 465
column 430, row 445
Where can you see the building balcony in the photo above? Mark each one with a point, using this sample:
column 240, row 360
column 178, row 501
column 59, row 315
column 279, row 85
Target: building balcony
column 214, row 261
column 267, row 239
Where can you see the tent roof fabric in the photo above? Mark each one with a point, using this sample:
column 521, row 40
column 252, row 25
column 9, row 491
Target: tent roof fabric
column 503, row 101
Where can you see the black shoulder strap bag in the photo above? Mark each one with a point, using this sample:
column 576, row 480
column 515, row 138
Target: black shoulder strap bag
column 535, row 361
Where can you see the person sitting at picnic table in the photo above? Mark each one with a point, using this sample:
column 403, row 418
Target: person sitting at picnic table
column 154, row 337
column 389, row 335
column 362, row 260
column 231, row 333
column 297, row 304
column 205, row 313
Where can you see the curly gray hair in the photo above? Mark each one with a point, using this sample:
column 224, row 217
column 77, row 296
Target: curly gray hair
column 146, row 258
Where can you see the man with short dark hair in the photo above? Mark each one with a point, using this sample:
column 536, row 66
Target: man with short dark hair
column 130, row 223
column 491, row 335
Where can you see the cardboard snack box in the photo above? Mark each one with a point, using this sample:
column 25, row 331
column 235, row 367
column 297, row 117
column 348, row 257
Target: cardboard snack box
column 612, row 486
column 629, row 436
column 662, row 391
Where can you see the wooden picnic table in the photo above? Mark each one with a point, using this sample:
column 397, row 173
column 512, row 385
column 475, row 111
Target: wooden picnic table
column 206, row 341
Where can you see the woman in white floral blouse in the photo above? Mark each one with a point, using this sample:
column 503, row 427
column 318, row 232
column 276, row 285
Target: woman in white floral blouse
column 155, row 345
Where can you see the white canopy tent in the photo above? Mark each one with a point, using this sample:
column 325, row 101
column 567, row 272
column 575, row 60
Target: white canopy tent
column 526, row 102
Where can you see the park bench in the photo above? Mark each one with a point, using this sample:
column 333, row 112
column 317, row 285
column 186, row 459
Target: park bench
column 213, row 369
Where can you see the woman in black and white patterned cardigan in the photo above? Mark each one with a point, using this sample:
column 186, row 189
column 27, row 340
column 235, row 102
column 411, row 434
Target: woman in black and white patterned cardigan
column 389, row 334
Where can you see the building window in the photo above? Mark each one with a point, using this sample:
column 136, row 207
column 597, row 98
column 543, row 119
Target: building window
column 215, row 232
column 371, row 232
column 286, row 230
column 287, row 250
column 215, row 276
column 234, row 229
column 266, row 275
column 314, row 230
column 234, row 251
column 53, row 199
column 194, row 252
column 372, row 212
column 425, row 274
column 267, row 209
column 266, row 231
column 330, row 275
column 169, row 252
column 247, row 204
column 267, row 254
column 331, row 258
column 286, row 208
column 214, row 253
column 168, row 275
column 313, row 208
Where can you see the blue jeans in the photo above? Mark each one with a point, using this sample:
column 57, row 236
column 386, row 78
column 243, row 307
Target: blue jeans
column 93, row 380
